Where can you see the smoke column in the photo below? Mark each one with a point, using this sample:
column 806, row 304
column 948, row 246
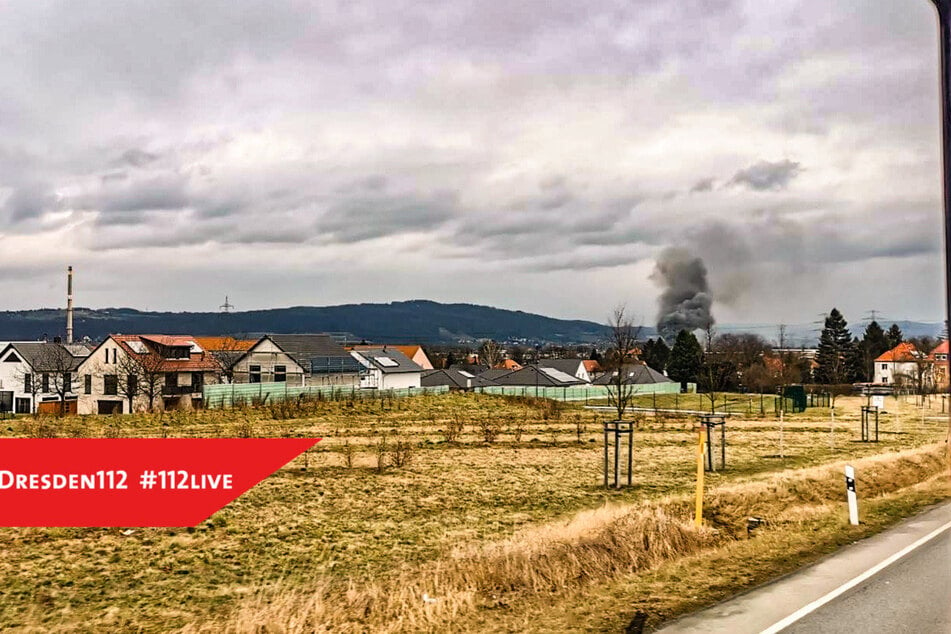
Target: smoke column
column 685, row 300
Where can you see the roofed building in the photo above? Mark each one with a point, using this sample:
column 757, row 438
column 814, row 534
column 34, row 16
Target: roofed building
column 455, row 379
column 387, row 368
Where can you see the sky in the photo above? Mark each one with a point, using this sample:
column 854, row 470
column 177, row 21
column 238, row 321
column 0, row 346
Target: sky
column 534, row 155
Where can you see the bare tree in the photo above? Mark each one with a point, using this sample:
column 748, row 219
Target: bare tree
column 624, row 335
column 129, row 378
column 54, row 367
column 490, row 353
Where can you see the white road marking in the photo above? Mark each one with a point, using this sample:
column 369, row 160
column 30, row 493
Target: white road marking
column 821, row 601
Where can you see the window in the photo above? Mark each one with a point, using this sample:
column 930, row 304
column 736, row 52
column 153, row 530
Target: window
column 171, row 379
column 87, row 384
column 110, row 384
column 28, row 383
column 280, row 373
column 254, row 374
column 67, row 382
column 884, row 366
column 45, row 382
column 198, row 381
column 132, row 385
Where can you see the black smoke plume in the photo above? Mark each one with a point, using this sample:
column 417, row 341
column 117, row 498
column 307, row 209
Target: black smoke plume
column 685, row 301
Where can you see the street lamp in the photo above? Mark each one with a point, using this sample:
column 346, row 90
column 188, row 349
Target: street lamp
column 944, row 26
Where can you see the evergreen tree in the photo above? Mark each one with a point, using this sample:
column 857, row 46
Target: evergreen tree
column 874, row 343
column 855, row 362
column 685, row 359
column 656, row 354
column 835, row 350
column 894, row 336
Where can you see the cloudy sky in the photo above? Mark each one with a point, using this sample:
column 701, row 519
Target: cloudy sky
column 535, row 155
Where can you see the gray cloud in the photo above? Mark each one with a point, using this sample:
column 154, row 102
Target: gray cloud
column 764, row 175
column 703, row 185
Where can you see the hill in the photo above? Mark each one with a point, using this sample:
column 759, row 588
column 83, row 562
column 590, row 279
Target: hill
column 409, row 321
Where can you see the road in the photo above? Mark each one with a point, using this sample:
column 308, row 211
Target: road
column 898, row 581
column 911, row 595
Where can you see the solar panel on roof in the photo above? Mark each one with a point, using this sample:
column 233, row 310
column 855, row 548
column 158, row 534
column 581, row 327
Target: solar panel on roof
column 386, row 362
column 466, row 374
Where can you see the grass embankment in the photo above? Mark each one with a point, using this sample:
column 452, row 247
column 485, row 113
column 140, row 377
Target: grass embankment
column 476, row 520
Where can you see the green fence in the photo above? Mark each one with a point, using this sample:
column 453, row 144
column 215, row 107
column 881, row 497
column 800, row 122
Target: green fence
column 580, row 393
column 226, row 395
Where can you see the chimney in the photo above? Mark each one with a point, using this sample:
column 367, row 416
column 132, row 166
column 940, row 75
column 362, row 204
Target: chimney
column 69, row 305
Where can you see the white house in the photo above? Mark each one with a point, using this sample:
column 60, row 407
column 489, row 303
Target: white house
column 387, row 369
column 901, row 364
column 39, row 377
column 127, row 373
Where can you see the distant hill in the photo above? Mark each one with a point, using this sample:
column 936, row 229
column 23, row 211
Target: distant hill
column 411, row 321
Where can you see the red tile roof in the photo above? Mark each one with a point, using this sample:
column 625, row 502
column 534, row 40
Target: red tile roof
column 942, row 348
column 197, row 361
column 902, row 353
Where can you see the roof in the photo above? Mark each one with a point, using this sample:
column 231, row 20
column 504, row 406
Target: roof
column 902, row 353
column 508, row 364
column 636, row 375
column 409, row 350
column 494, row 373
column 591, row 366
column 228, row 344
column 44, row 356
column 941, row 348
column 387, row 360
column 198, row 360
column 568, row 366
column 304, row 348
column 453, row 378
column 543, row 376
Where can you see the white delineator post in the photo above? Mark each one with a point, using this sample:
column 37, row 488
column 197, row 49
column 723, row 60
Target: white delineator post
column 853, row 500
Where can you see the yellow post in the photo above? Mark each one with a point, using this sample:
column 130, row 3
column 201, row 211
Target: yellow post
column 700, row 446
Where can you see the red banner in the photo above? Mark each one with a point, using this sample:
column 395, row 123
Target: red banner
column 132, row 481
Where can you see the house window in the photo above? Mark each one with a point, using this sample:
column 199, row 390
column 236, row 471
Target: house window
column 110, row 384
column 87, row 384
column 45, row 382
column 254, row 374
column 132, row 385
column 67, row 382
column 884, row 366
column 28, row 383
column 171, row 379
column 197, row 381
column 280, row 373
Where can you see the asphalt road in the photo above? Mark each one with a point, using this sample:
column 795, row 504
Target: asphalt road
column 911, row 595
column 896, row 581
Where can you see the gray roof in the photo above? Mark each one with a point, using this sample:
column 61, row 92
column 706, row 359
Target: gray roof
column 303, row 348
column 568, row 366
column 494, row 374
column 453, row 378
column 48, row 356
column 542, row 376
column 375, row 355
column 636, row 375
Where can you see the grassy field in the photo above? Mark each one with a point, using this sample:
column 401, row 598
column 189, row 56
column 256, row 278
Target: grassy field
column 459, row 474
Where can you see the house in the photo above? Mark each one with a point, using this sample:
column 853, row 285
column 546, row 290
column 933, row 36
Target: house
column 415, row 353
column 455, row 379
column 635, row 374
column 387, row 368
column 541, row 376
column 263, row 362
column 572, row 367
column 129, row 373
column 508, row 364
column 593, row 368
column 322, row 359
column 939, row 362
column 39, row 377
column 900, row 365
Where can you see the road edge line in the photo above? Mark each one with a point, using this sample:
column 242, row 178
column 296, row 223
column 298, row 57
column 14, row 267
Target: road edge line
column 848, row 585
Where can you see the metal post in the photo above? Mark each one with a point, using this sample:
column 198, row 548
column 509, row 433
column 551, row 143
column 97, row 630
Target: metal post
column 723, row 445
column 605, row 455
column 709, row 448
column 698, row 517
column 944, row 26
column 630, row 452
column 617, row 456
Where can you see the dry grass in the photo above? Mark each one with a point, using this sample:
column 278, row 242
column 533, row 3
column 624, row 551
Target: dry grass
column 483, row 527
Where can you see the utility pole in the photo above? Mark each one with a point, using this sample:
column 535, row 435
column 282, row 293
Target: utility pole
column 944, row 26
